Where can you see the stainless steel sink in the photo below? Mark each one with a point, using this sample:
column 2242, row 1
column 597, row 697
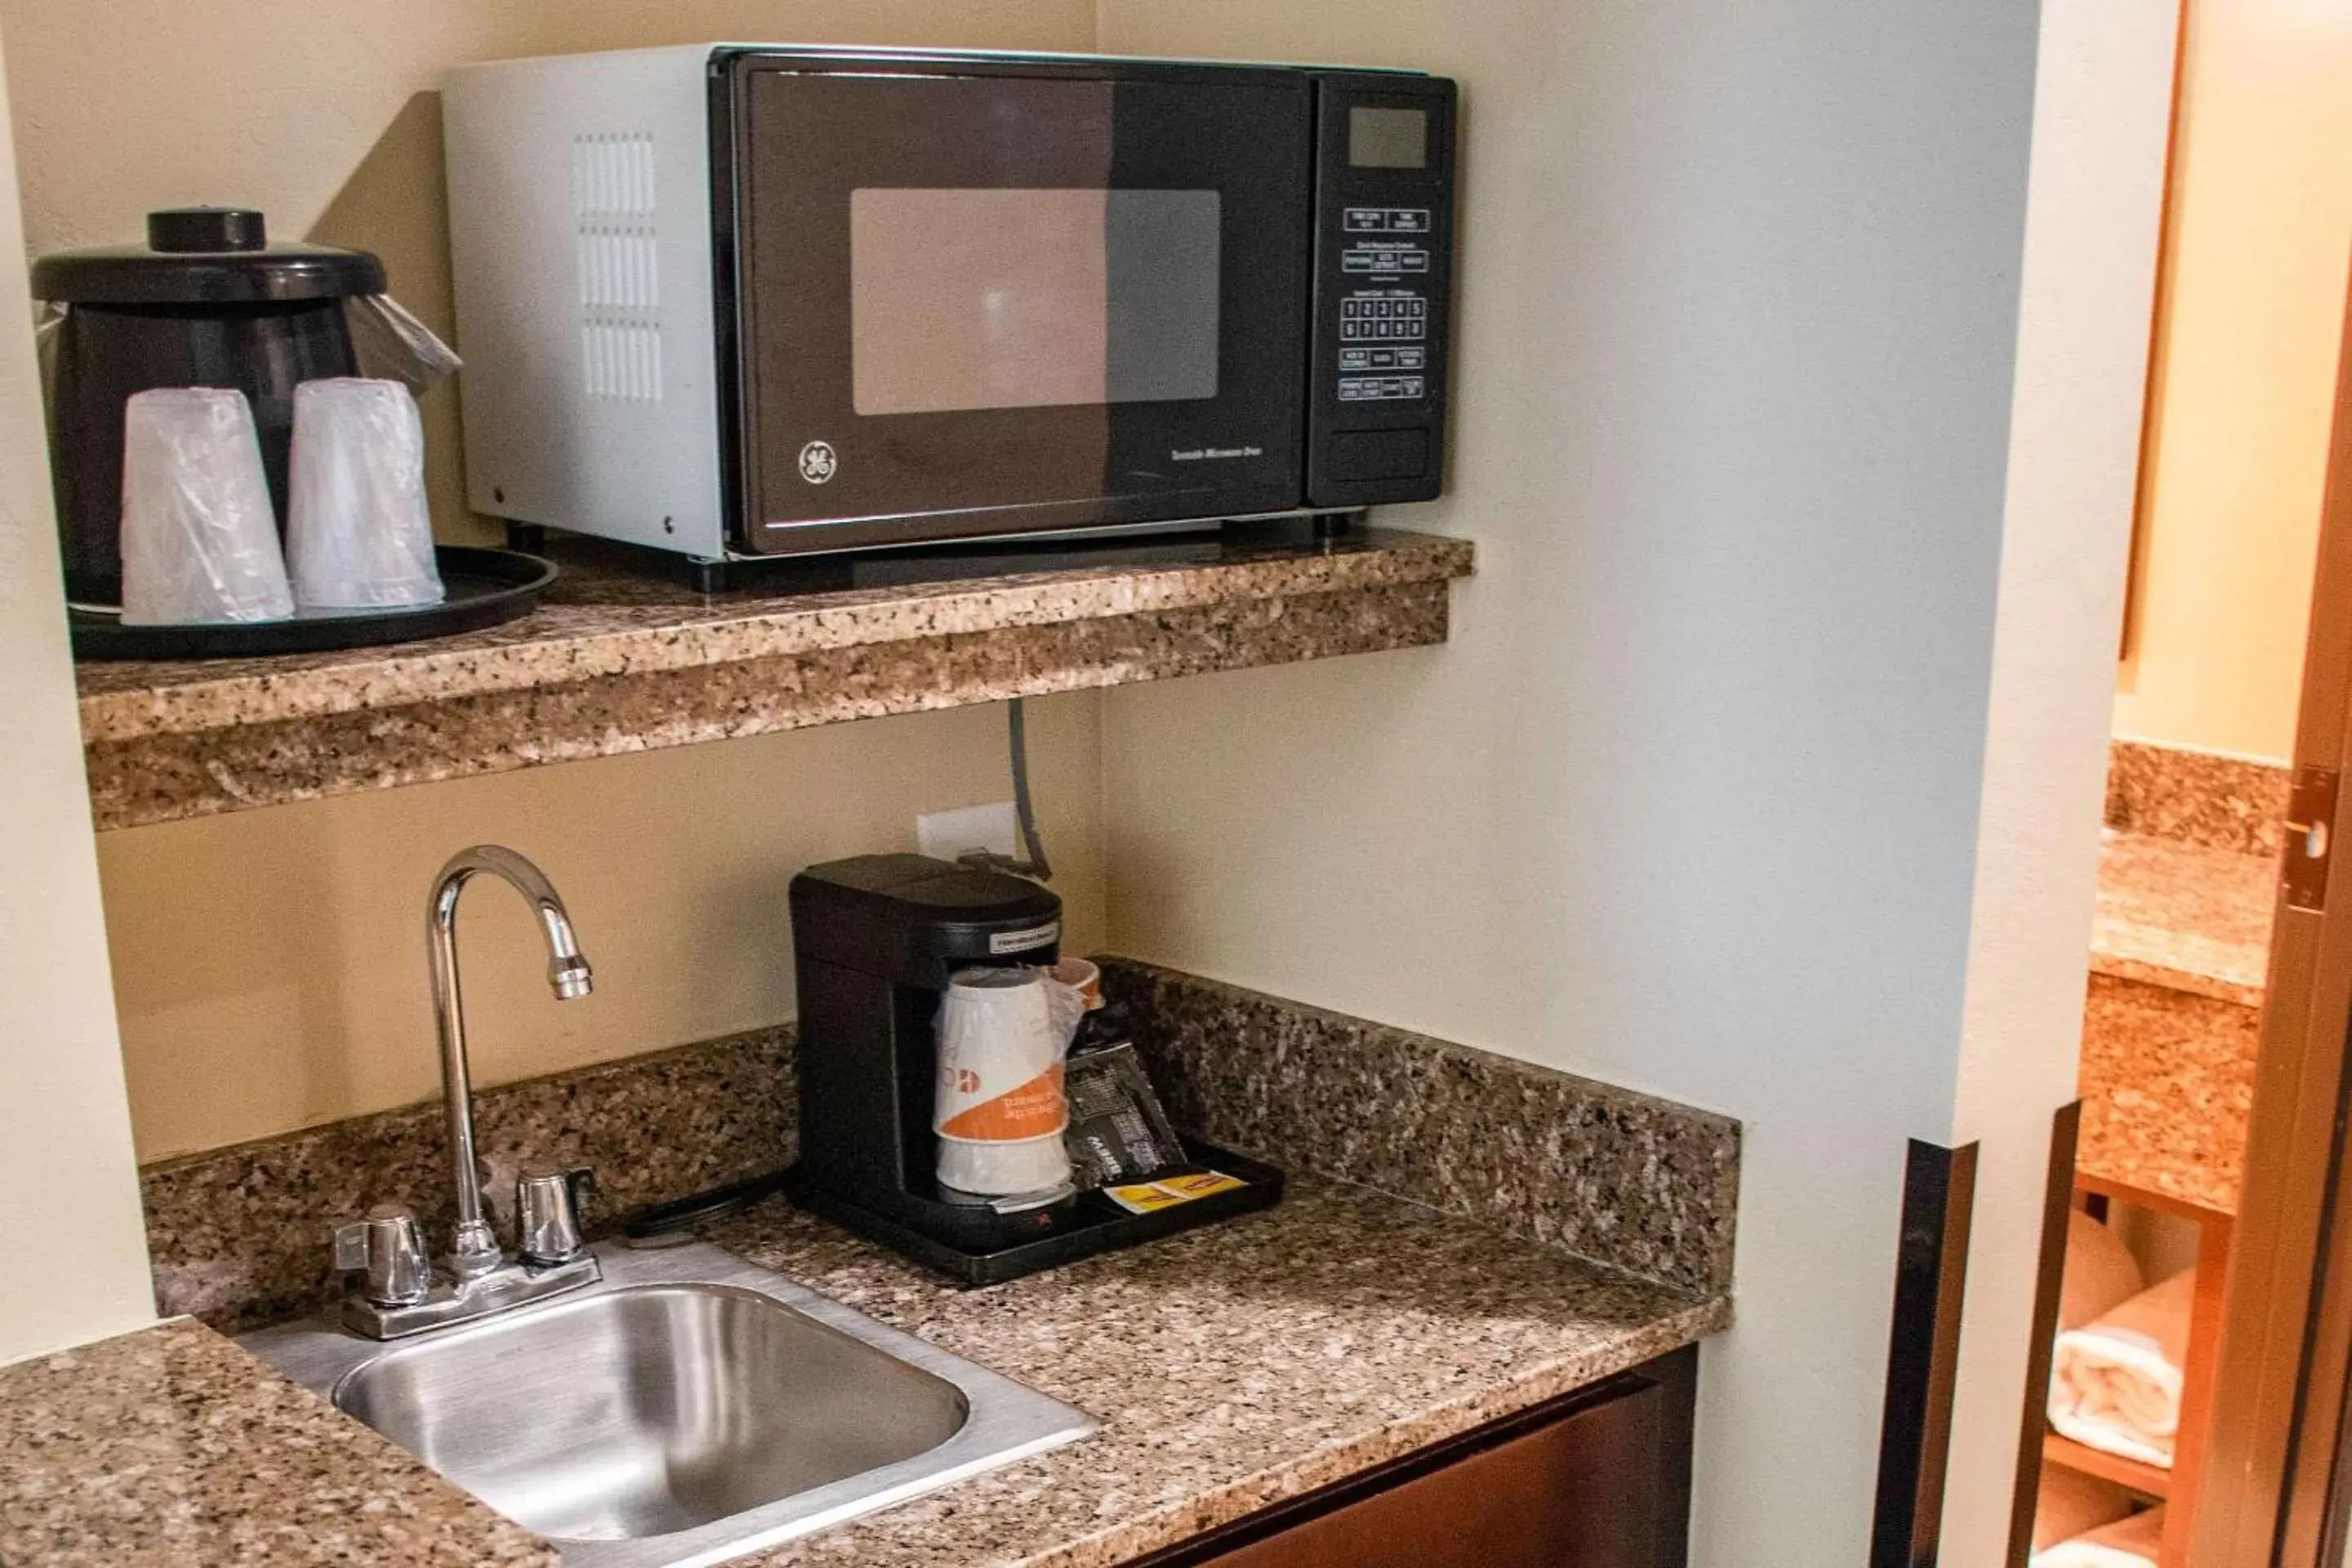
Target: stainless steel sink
column 652, row 1410
column 688, row 1408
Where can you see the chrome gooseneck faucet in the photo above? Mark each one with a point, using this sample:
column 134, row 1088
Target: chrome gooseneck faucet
column 475, row 1248
column 404, row 1293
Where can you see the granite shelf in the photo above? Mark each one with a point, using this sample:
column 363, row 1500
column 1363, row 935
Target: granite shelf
column 620, row 657
column 2172, row 1021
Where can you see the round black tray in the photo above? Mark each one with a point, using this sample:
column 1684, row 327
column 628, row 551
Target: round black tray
column 484, row 587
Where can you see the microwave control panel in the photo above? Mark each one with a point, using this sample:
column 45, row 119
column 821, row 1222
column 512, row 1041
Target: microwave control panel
column 1384, row 230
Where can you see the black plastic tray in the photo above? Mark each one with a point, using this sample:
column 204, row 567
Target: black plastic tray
column 484, row 587
column 664, row 1225
column 1093, row 1224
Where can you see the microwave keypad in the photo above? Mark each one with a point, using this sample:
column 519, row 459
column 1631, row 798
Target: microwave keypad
column 1382, row 331
column 1379, row 388
column 1368, row 317
column 1387, row 220
column 1378, row 256
column 1383, row 358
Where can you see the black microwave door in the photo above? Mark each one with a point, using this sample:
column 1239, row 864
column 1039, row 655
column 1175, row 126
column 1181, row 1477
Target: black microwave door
column 978, row 300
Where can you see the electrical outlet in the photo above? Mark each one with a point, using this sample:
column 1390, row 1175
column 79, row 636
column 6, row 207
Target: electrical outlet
column 946, row 834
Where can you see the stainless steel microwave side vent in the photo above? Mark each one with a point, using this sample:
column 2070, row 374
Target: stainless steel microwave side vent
column 739, row 301
column 619, row 255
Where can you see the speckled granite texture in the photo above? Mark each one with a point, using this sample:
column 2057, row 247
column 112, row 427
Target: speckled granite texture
column 2197, row 797
column 2184, row 917
column 1231, row 1367
column 2168, row 1087
column 620, row 662
column 239, row 1234
column 1641, row 1184
column 172, row 1448
column 2179, row 956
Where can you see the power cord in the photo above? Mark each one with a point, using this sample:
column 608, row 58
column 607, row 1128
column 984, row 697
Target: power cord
column 1034, row 864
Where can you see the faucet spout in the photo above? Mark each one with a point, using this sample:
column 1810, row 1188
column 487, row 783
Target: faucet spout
column 474, row 1249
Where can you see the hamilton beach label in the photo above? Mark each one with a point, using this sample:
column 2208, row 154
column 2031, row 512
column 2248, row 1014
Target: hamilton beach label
column 1024, row 940
column 818, row 463
column 1213, row 454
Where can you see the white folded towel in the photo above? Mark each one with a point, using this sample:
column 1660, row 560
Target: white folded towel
column 2115, row 1382
column 2101, row 1272
column 2133, row 1543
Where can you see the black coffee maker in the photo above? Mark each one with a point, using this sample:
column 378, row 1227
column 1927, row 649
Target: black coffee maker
column 874, row 940
column 206, row 301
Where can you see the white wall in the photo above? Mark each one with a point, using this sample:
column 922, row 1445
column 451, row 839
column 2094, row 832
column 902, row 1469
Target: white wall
column 76, row 1244
column 2103, row 107
column 1691, row 801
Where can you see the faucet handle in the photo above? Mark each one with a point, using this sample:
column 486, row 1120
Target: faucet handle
column 390, row 1248
column 549, row 1205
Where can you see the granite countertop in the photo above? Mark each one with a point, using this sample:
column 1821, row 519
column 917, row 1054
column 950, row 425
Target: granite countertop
column 2184, row 916
column 620, row 657
column 2171, row 1023
column 1231, row 1367
column 2166, row 1079
column 172, row 1448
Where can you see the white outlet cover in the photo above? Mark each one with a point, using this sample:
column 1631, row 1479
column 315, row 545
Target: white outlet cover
column 945, row 835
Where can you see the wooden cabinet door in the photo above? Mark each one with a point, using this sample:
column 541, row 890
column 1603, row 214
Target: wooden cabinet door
column 1589, row 1482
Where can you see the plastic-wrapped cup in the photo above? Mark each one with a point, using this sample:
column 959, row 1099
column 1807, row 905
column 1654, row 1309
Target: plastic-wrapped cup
column 1082, row 975
column 358, row 533
column 999, row 1110
column 1008, row 1169
column 199, row 535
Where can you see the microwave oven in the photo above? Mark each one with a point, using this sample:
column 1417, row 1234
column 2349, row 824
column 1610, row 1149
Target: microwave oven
column 748, row 301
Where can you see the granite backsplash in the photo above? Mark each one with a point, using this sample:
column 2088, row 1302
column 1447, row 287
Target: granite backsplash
column 2238, row 804
column 237, row 1235
column 1640, row 1183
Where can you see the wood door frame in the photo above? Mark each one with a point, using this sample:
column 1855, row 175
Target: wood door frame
column 2274, row 1481
column 2151, row 405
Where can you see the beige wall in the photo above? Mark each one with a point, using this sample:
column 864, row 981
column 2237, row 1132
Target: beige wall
column 270, row 965
column 2262, row 234
column 71, row 1229
column 325, row 114
column 1620, row 826
column 1701, row 796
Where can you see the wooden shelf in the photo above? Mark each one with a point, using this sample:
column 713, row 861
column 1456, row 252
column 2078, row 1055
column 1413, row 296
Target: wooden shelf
column 2148, row 1198
column 2139, row 1477
column 2181, row 1485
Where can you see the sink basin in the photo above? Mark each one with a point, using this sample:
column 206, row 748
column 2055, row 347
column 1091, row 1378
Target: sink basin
column 651, row 1410
column 688, row 1408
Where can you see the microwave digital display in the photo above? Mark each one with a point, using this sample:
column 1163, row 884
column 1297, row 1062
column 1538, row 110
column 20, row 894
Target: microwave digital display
column 1387, row 138
column 1005, row 297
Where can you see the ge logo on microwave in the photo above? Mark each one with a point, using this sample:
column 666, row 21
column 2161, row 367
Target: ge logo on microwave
column 818, row 463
